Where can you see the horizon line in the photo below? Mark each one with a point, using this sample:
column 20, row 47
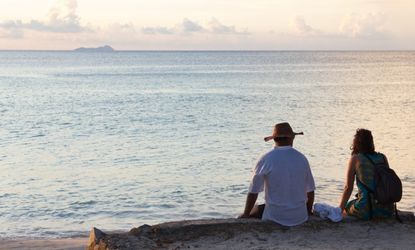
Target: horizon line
column 213, row 50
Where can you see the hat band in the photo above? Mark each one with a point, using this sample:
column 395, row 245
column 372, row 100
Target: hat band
column 282, row 136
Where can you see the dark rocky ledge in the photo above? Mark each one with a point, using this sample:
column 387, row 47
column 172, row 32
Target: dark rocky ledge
column 256, row 234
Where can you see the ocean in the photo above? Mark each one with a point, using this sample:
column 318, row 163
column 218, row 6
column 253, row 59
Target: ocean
column 116, row 140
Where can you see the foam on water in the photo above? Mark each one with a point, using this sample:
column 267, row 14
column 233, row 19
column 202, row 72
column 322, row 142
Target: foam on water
column 115, row 140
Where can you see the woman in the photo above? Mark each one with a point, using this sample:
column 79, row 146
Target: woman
column 360, row 167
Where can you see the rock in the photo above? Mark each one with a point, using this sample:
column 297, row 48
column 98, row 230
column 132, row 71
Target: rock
column 96, row 240
column 406, row 216
column 208, row 233
column 141, row 230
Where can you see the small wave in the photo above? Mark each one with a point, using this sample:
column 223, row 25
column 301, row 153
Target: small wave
column 84, row 203
column 128, row 213
column 232, row 188
column 63, row 214
column 5, row 195
column 407, row 178
column 38, row 135
column 212, row 215
column 165, row 206
column 148, row 74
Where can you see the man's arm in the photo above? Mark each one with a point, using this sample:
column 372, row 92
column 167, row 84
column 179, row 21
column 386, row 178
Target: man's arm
column 310, row 201
column 310, row 187
column 256, row 186
column 250, row 203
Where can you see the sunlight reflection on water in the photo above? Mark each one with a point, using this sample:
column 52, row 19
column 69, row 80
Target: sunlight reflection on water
column 121, row 139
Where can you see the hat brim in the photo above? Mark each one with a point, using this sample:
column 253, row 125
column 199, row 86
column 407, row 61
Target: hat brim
column 268, row 138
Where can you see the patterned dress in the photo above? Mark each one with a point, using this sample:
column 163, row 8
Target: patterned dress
column 360, row 206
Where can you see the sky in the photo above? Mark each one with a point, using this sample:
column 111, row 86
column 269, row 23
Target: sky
column 208, row 24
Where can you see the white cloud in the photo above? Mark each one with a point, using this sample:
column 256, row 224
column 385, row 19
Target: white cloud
column 11, row 33
column 119, row 30
column 64, row 18
column 60, row 19
column 187, row 27
column 115, row 34
column 219, row 28
column 157, row 30
column 300, row 27
column 370, row 25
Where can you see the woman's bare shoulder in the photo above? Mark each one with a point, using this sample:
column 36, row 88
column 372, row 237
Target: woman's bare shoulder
column 354, row 158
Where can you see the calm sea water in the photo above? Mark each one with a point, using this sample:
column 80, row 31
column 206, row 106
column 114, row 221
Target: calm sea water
column 115, row 140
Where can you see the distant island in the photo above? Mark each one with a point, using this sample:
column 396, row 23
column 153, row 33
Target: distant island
column 105, row 48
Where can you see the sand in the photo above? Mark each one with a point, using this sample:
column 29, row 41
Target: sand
column 242, row 234
column 46, row 244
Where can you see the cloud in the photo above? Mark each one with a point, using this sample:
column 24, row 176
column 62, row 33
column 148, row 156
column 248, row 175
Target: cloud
column 185, row 27
column 300, row 27
column 60, row 19
column 13, row 33
column 63, row 18
column 219, row 28
column 114, row 34
column 370, row 25
column 157, row 30
column 188, row 27
column 119, row 30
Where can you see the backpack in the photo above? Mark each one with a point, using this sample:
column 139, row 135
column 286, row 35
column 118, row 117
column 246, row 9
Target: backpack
column 388, row 186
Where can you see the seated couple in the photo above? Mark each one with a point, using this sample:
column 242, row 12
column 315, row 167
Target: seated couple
column 289, row 184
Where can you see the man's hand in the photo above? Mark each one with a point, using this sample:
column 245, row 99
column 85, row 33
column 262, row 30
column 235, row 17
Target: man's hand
column 310, row 201
column 250, row 203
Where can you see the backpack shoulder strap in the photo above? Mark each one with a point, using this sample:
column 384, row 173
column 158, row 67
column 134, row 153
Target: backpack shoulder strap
column 370, row 193
column 364, row 185
column 358, row 180
column 384, row 160
column 374, row 163
column 370, row 159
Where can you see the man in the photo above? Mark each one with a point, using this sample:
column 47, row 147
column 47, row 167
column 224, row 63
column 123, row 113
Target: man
column 288, row 181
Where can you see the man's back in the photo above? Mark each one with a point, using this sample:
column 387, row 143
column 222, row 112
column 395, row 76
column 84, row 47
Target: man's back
column 287, row 178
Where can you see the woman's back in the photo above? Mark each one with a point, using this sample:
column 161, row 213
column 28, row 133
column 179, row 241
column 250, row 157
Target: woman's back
column 365, row 205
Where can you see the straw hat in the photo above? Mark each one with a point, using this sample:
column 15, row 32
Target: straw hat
column 282, row 130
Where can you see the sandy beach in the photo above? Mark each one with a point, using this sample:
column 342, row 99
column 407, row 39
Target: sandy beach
column 241, row 234
column 38, row 244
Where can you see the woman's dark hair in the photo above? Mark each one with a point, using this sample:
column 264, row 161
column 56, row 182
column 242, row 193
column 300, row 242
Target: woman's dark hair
column 363, row 142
